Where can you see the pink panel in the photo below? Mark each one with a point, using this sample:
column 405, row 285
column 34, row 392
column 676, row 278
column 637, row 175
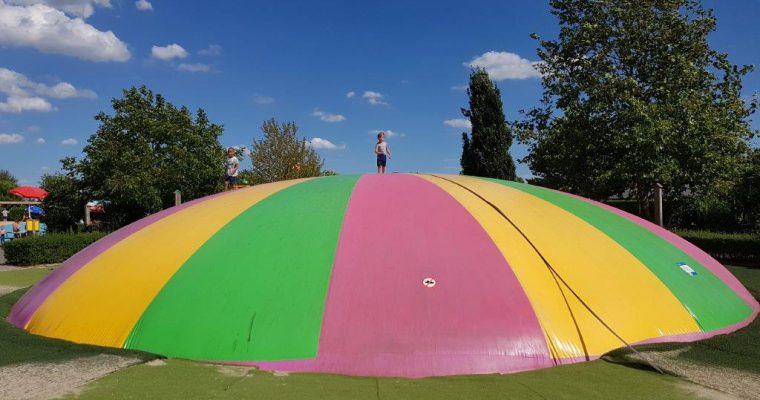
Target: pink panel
column 694, row 252
column 381, row 320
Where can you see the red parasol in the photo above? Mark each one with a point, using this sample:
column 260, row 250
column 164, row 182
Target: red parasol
column 29, row 192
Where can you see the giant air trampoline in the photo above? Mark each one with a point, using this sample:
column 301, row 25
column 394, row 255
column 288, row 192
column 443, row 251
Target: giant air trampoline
column 405, row 275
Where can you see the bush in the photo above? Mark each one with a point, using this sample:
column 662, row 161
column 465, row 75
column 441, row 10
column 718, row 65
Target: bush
column 47, row 249
column 726, row 247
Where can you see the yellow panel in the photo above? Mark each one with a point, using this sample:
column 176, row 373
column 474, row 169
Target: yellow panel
column 101, row 303
column 622, row 291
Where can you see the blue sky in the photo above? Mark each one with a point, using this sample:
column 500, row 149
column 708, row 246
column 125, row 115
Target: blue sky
column 61, row 61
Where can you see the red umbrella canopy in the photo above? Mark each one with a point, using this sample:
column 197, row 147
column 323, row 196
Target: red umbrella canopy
column 29, row 192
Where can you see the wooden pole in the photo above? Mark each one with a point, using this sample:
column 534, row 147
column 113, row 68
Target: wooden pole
column 658, row 204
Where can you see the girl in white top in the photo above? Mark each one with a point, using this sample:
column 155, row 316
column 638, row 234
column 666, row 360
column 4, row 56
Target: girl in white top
column 383, row 152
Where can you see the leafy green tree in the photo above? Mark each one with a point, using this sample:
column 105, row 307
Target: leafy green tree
column 747, row 194
column 144, row 152
column 634, row 95
column 281, row 154
column 16, row 213
column 64, row 206
column 7, row 182
column 486, row 152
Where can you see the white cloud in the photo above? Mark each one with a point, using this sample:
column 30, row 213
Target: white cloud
column 17, row 84
column 263, row 100
column 143, row 5
column 388, row 133
column 51, row 31
column 197, row 67
column 328, row 117
column 64, row 90
column 77, row 8
column 33, row 128
column 10, row 138
column 211, row 50
column 350, row 94
column 461, row 123
column 69, row 142
column 168, row 52
column 460, row 87
column 14, row 104
column 319, row 143
column 27, row 95
column 374, row 98
column 502, row 65
column 40, row 141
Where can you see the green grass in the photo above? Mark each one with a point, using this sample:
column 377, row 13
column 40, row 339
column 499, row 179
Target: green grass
column 23, row 277
column 187, row 380
column 18, row 346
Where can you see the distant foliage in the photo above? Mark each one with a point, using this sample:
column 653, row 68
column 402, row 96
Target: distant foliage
column 486, row 151
column 634, row 95
column 7, row 182
column 727, row 247
column 746, row 194
column 282, row 155
column 64, row 206
column 48, row 249
column 16, row 213
column 144, row 152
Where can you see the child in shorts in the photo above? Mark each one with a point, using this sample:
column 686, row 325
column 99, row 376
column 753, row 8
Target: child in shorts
column 383, row 152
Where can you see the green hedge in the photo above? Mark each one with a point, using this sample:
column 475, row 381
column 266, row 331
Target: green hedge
column 726, row 247
column 48, row 249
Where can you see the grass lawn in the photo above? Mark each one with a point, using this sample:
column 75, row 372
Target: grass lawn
column 23, row 277
column 179, row 379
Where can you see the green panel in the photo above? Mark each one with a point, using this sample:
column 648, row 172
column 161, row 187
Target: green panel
column 710, row 301
column 256, row 290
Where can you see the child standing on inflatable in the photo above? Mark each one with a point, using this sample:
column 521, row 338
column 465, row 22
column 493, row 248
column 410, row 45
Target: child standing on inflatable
column 383, row 152
column 232, row 165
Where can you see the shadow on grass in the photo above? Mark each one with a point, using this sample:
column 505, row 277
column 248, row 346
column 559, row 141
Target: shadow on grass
column 18, row 346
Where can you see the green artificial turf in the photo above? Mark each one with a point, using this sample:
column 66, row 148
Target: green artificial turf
column 18, row 346
column 23, row 277
column 187, row 380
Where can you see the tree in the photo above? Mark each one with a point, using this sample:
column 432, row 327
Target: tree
column 634, row 95
column 486, row 152
column 7, row 182
column 144, row 152
column 747, row 194
column 281, row 154
column 64, row 205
